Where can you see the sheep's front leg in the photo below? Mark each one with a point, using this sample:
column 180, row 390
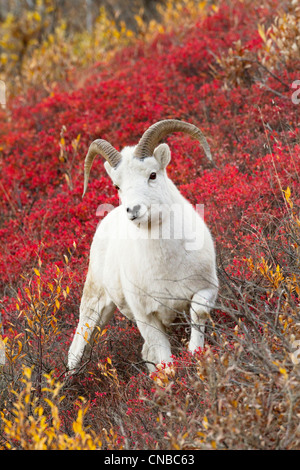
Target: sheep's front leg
column 202, row 302
column 95, row 310
column 157, row 348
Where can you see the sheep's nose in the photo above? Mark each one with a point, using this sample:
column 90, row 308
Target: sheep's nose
column 134, row 212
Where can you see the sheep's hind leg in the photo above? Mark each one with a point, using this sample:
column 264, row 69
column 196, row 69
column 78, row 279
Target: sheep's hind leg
column 95, row 310
column 201, row 305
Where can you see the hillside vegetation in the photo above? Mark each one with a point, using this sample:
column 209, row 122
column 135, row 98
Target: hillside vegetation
column 231, row 68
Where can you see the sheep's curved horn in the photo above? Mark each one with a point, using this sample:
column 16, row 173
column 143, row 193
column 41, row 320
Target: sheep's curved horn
column 99, row 147
column 155, row 133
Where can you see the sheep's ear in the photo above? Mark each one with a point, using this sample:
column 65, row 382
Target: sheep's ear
column 163, row 155
column 108, row 168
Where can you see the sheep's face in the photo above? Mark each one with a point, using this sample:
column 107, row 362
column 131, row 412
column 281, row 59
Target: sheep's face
column 143, row 185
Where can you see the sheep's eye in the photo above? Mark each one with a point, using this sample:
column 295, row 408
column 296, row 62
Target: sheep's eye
column 152, row 176
column 117, row 187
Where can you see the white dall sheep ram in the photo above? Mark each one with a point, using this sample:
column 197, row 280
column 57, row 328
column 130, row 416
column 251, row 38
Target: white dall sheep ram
column 153, row 256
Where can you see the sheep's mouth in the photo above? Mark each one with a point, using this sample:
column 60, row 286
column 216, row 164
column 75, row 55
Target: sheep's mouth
column 140, row 219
